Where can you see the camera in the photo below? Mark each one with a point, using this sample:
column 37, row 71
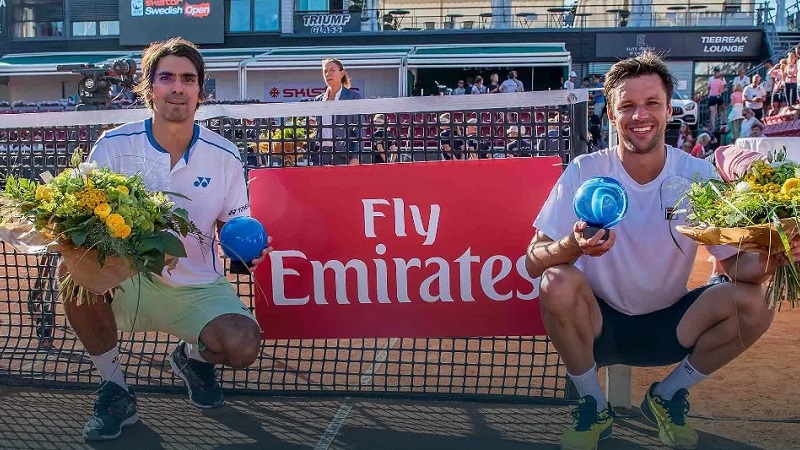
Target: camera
column 94, row 89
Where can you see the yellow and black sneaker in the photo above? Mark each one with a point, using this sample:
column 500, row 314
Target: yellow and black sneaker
column 588, row 426
column 670, row 417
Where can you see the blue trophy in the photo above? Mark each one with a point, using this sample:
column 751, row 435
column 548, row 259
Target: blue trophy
column 601, row 202
column 242, row 240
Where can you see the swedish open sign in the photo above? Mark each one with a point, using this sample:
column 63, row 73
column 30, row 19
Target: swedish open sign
column 326, row 23
column 144, row 21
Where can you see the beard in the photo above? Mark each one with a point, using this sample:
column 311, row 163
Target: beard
column 171, row 113
column 643, row 148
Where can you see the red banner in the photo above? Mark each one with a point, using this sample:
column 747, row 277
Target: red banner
column 434, row 249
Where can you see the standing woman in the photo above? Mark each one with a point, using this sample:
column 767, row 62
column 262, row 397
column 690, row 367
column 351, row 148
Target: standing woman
column 345, row 148
column 778, row 87
column 790, row 78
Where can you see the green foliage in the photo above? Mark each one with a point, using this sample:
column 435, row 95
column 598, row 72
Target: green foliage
column 98, row 209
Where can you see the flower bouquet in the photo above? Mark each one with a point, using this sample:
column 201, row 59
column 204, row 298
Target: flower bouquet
column 758, row 211
column 107, row 226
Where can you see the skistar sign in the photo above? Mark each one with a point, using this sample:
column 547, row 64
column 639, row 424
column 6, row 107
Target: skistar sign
column 297, row 91
column 405, row 250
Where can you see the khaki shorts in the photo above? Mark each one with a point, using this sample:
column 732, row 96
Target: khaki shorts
column 142, row 305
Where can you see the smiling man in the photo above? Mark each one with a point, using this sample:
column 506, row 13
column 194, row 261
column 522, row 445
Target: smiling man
column 194, row 301
column 621, row 297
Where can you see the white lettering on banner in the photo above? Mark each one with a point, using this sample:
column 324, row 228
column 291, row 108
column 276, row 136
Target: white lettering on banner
column 723, row 49
column 435, row 288
column 399, row 219
column 724, row 39
column 441, row 278
column 2, row 3
column 312, row 20
column 167, row 11
column 724, row 44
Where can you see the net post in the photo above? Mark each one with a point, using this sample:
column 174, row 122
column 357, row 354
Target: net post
column 618, row 386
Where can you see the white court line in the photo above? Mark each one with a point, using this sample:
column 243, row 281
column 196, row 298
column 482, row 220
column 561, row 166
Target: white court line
column 330, row 433
column 380, row 358
column 339, row 418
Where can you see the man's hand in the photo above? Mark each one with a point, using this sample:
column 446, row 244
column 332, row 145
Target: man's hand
column 264, row 253
column 598, row 244
column 771, row 262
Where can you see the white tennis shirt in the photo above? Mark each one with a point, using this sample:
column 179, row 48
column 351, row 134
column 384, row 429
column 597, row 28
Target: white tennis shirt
column 210, row 174
column 645, row 270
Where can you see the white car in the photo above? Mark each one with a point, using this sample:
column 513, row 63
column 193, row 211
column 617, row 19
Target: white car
column 683, row 110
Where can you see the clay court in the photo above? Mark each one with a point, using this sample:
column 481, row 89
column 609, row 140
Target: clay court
column 747, row 405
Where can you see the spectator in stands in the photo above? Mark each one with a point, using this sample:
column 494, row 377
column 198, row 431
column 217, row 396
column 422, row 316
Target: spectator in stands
column 494, row 84
column 778, row 87
column 768, row 84
column 699, row 149
column 570, row 84
column 741, row 79
column 713, row 133
column 459, row 90
column 595, row 126
column 478, row 87
column 790, row 78
column 477, row 146
column 450, row 147
column 598, row 299
column 748, row 122
column 754, row 95
column 384, row 143
column 685, row 135
column 716, row 87
column 339, row 134
column 194, row 301
column 517, row 145
column 735, row 115
column 599, row 98
column 512, row 84
column 757, row 130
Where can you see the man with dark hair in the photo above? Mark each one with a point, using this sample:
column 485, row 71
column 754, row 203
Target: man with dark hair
column 194, row 301
column 608, row 299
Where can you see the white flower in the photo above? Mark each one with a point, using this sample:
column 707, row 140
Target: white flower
column 743, row 186
column 87, row 168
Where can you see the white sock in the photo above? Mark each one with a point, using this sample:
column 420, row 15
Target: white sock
column 109, row 366
column 192, row 352
column 589, row 384
column 684, row 376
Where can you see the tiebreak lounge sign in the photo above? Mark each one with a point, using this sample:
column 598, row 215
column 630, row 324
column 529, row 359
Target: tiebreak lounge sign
column 700, row 45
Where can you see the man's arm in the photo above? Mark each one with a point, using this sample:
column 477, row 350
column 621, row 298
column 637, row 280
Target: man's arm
column 543, row 252
column 759, row 267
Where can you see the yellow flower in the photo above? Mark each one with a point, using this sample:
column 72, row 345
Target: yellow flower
column 123, row 189
column 89, row 198
column 122, row 232
column 114, row 221
column 44, row 192
column 102, row 210
column 790, row 184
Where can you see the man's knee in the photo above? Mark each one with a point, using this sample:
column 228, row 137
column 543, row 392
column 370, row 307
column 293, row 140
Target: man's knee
column 243, row 345
column 752, row 310
column 559, row 288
